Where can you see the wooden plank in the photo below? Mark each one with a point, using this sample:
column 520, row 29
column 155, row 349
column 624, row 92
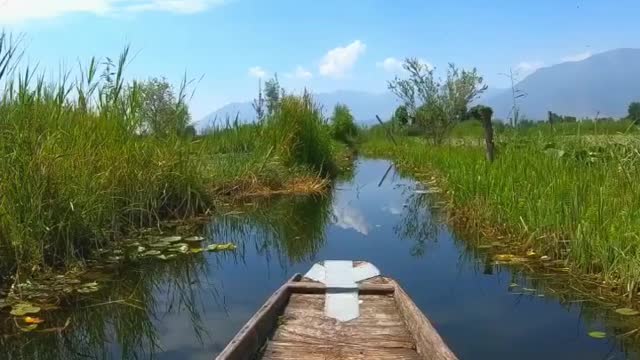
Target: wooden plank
column 429, row 344
column 379, row 325
column 319, row 288
column 281, row 350
column 255, row 332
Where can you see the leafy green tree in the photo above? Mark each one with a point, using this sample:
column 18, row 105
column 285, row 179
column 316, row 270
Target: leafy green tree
column 273, row 93
column 401, row 115
column 434, row 105
column 343, row 126
column 162, row 112
column 634, row 112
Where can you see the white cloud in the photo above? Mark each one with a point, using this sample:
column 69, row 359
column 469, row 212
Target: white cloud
column 338, row 61
column 257, row 72
column 525, row 68
column 394, row 65
column 393, row 210
column 390, row 64
column 300, row 73
column 347, row 217
column 19, row 11
column 576, row 57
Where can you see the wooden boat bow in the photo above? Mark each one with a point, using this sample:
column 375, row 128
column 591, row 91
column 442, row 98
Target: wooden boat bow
column 293, row 324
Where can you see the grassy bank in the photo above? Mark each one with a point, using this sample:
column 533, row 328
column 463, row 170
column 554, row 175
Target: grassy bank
column 574, row 198
column 80, row 164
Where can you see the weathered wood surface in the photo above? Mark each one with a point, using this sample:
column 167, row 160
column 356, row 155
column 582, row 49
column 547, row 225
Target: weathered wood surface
column 390, row 326
column 306, row 333
column 428, row 342
column 308, row 287
column 253, row 334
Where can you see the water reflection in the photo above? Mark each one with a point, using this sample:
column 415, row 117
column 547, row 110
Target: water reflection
column 192, row 306
column 120, row 321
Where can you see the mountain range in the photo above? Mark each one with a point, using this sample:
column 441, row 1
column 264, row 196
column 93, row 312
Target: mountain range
column 603, row 84
column 363, row 105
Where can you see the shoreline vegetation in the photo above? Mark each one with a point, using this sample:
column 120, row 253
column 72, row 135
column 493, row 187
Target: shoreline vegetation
column 84, row 162
column 562, row 191
column 567, row 199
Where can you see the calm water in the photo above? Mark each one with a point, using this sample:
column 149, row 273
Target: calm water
column 191, row 307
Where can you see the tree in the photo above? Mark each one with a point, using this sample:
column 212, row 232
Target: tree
column 343, row 126
column 400, row 116
column 634, row 112
column 273, row 93
column 162, row 113
column 433, row 105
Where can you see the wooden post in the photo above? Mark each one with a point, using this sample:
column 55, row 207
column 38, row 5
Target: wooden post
column 484, row 114
column 488, row 139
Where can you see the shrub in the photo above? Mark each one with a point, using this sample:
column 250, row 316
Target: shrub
column 343, row 127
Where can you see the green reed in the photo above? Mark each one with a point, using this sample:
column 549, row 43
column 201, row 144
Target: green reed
column 77, row 168
column 570, row 197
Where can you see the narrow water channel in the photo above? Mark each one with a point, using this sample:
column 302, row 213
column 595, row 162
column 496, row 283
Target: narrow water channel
column 189, row 308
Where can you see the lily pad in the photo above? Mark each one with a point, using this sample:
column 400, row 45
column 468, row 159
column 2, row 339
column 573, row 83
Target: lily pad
column 597, row 334
column 181, row 248
column 196, row 250
column 171, row 239
column 509, row 258
column 627, row 311
column 22, row 309
column 86, row 290
column 160, row 244
column 221, row 247
column 166, row 257
column 28, row 327
column 194, row 239
column 152, row 253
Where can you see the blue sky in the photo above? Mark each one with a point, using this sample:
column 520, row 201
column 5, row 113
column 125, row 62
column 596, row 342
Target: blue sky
column 323, row 45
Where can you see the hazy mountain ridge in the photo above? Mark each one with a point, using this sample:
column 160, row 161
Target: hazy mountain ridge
column 603, row 84
column 364, row 107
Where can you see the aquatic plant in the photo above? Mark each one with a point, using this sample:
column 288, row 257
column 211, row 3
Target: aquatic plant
column 574, row 198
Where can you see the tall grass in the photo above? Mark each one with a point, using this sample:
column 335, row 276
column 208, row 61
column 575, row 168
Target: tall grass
column 299, row 135
column 76, row 170
column 572, row 199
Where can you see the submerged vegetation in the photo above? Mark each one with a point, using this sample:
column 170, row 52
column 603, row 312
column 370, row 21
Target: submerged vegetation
column 85, row 161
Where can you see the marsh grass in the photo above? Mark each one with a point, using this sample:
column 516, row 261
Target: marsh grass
column 299, row 135
column 78, row 170
column 575, row 198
